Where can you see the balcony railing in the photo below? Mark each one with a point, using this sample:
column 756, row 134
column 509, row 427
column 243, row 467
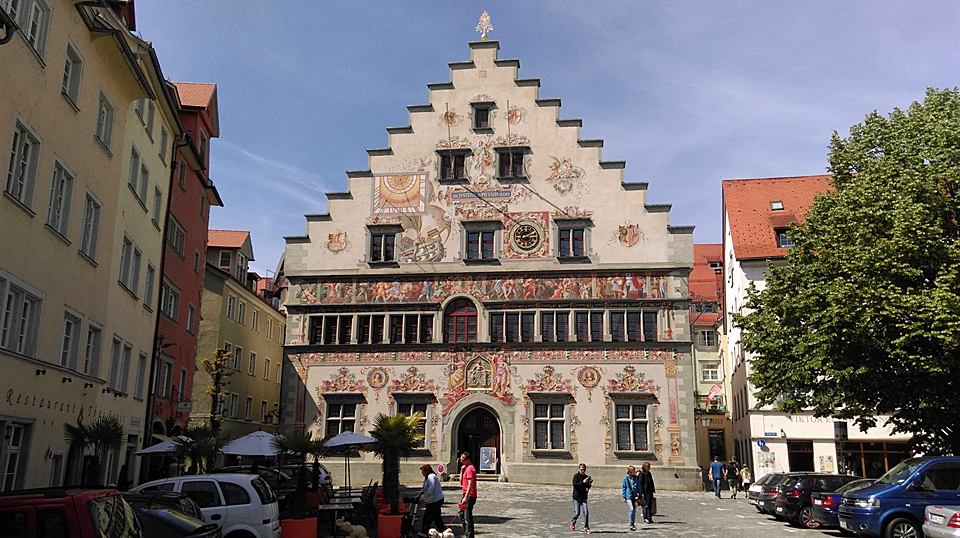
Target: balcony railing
column 716, row 404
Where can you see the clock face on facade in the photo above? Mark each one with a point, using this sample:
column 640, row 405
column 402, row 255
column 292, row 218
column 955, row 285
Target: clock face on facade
column 527, row 237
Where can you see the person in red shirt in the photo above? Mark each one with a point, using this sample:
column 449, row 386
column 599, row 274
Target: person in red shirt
column 468, row 483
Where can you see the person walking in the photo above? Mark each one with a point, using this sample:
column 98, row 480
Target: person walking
column 468, row 483
column 431, row 494
column 733, row 477
column 632, row 494
column 746, row 479
column 581, row 487
column 647, row 499
column 717, row 472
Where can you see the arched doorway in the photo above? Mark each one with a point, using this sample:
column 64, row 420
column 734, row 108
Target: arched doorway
column 479, row 434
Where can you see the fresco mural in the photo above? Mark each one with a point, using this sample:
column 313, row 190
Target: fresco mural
column 342, row 381
column 450, row 118
column 377, row 378
column 414, row 380
column 337, row 242
column 401, row 194
column 566, row 178
column 547, row 381
column 622, row 286
column 516, row 115
column 628, row 235
column 589, row 377
column 527, row 235
column 489, row 372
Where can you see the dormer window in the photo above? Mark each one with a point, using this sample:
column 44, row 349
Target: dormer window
column 776, row 205
column 225, row 260
column 511, row 162
column 483, row 116
column 782, row 240
column 453, row 164
column 383, row 244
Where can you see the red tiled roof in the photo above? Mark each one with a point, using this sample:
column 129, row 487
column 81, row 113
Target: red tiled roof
column 226, row 238
column 752, row 221
column 704, row 282
column 195, row 94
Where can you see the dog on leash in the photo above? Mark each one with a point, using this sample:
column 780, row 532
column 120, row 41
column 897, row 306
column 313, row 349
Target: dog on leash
column 432, row 533
column 353, row 531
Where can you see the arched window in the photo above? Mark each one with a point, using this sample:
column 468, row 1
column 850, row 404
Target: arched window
column 460, row 322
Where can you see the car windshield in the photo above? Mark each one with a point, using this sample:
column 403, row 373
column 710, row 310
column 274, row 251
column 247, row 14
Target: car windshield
column 901, row 472
column 855, row 485
column 112, row 516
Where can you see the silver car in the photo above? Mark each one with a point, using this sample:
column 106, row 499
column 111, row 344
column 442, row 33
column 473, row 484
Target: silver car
column 941, row 521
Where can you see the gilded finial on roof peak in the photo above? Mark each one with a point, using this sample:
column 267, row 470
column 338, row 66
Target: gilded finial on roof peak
column 484, row 26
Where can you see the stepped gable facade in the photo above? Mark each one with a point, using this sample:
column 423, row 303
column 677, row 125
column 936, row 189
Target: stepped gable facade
column 490, row 270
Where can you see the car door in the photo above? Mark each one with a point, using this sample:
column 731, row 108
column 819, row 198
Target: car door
column 240, row 507
column 206, row 494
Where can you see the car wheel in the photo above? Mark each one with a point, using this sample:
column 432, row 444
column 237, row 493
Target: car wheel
column 902, row 528
column 805, row 518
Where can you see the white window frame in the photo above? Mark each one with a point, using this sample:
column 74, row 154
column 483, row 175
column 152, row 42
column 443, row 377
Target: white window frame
column 237, row 359
column 169, row 300
column 255, row 320
column 157, row 205
column 629, row 421
column 191, row 317
column 234, row 404
column 61, row 199
column 70, row 339
column 710, row 371
column 20, row 313
column 242, row 313
column 116, row 352
column 176, row 236
column 248, row 410
column 72, row 73
column 266, row 369
column 149, row 282
column 252, row 366
column 707, row 338
column 90, row 229
column 335, row 412
column 407, row 407
column 279, row 373
column 33, row 18
column 24, row 160
column 126, row 261
column 104, row 127
column 140, row 376
column 231, row 306
column 91, row 352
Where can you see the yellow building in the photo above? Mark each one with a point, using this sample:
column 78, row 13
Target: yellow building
column 236, row 319
column 75, row 297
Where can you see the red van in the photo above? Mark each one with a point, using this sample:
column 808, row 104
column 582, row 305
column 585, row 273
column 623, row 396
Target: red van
column 67, row 512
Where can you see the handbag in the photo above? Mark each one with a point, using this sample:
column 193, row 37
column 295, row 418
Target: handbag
column 653, row 507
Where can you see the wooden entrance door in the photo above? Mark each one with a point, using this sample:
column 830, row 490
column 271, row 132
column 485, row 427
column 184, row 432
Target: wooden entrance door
column 478, row 429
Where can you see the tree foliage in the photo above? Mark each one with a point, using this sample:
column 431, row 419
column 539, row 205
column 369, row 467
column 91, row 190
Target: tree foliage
column 201, row 446
column 865, row 318
column 105, row 433
column 397, row 438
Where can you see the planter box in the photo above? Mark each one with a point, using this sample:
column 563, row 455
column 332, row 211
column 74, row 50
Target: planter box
column 298, row 528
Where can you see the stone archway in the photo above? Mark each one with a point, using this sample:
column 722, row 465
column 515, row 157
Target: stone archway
column 479, row 433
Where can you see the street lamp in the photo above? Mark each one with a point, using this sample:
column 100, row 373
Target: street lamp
column 705, row 421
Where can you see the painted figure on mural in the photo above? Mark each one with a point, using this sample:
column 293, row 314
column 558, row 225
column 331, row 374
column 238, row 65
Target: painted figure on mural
column 501, row 381
column 426, row 290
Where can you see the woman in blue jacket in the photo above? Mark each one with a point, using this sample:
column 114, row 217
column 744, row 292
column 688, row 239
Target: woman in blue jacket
column 632, row 493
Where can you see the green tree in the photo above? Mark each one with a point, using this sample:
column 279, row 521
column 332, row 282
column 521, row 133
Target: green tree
column 219, row 370
column 865, row 318
column 302, row 445
column 396, row 437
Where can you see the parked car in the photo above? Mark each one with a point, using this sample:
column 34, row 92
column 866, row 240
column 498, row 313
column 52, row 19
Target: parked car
column 753, row 493
column 241, row 504
column 793, row 496
column 293, row 470
column 279, row 481
column 170, row 523
column 767, row 498
column 74, row 512
column 826, row 503
column 941, row 521
column 894, row 505
column 165, row 499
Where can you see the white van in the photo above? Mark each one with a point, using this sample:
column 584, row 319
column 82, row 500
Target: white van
column 239, row 503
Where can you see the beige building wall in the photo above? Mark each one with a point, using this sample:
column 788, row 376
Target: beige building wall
column 631, row 252
column 58, row 248
column 235, row 318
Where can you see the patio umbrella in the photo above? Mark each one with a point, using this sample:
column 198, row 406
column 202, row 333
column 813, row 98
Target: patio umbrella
column 166, row 447
column 347, row 441
column 255, row 444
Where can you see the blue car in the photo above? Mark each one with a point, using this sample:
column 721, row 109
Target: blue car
column 893, row 506
column 825, row 503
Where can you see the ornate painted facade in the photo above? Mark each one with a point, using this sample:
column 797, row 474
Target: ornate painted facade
column 490, row 270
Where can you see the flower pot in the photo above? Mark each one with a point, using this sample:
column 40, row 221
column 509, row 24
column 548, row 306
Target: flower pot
column 298, row 528
column 389, row 526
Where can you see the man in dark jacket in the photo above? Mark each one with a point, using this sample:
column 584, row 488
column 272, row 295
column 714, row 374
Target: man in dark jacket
column 648, row 489
column 581, row 487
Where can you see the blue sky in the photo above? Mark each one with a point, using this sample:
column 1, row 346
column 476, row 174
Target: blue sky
column 687, row 93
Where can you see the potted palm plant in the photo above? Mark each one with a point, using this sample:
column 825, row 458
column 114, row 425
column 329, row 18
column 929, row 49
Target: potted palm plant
column 396, row 437
column 201, row 446
column 105, row 433
column 294, row 515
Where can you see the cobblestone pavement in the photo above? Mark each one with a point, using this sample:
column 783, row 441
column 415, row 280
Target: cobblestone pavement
column 522, row 510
